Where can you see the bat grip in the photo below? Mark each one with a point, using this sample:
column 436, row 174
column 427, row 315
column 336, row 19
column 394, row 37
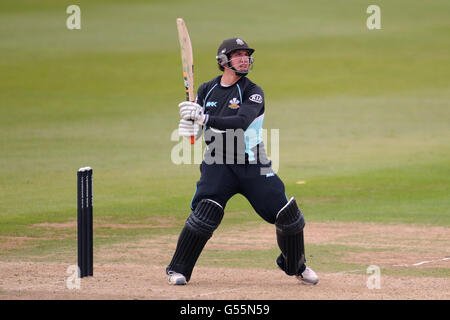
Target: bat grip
column 192, row 137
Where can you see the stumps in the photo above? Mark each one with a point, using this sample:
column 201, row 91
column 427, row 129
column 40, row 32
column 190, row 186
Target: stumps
column 85, row 218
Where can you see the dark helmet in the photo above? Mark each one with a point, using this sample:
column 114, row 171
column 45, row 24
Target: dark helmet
column 225, row 50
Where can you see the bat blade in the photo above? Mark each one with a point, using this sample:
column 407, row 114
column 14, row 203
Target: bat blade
column 187, row 60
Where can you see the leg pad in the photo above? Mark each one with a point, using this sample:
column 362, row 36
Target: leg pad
column 289, row 228
column 199, row 227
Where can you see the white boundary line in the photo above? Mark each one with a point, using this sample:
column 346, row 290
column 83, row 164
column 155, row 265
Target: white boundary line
column 421, row 262
column 400, row 265
column 213, row 292
column 350, row 271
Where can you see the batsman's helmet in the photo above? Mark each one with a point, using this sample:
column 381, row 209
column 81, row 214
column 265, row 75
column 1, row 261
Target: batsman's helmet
column 227, row 47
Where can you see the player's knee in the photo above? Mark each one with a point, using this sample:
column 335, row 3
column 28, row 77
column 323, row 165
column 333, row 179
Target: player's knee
column 289, row 219
column 220, row 200
column 205, row 218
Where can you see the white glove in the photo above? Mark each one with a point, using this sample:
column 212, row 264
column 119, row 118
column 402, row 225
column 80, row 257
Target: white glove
column 192, row 111
column 187, row 128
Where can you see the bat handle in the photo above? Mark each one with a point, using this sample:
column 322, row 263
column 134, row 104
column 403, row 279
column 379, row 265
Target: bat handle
column 192, row 137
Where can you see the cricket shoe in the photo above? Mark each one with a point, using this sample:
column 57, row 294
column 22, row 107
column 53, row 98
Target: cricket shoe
column 176, row 278
column 308, row 276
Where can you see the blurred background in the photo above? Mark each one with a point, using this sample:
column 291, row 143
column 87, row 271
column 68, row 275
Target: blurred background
column 363, row 114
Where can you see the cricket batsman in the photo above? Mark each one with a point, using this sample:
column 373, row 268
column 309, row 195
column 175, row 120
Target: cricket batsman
column 228, row 108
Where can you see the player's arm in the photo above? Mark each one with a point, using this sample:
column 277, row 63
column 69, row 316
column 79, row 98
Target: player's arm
column 248, row 111
column 250, row 108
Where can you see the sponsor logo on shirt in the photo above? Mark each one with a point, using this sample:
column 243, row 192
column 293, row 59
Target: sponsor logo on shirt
column 234, row 103
column 256, row 98
column 211, row 104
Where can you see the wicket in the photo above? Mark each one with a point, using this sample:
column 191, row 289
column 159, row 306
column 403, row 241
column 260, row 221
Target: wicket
column 85, row 218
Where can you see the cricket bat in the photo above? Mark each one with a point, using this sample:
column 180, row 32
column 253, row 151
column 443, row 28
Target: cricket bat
column 187, row 60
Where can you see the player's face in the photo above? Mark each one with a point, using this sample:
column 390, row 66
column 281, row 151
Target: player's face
column 240, row 60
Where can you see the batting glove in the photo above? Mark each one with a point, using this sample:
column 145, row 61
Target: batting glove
column 187, row 128
column 192, row 111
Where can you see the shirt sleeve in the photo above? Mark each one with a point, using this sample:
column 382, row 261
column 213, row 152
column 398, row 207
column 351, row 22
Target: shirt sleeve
column 249, row 109
column 200, row 99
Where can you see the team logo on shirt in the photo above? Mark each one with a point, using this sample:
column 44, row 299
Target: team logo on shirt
column 234, row 103
column 256, row 98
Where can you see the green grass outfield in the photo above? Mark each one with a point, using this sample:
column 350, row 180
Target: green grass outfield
column 364, row 116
